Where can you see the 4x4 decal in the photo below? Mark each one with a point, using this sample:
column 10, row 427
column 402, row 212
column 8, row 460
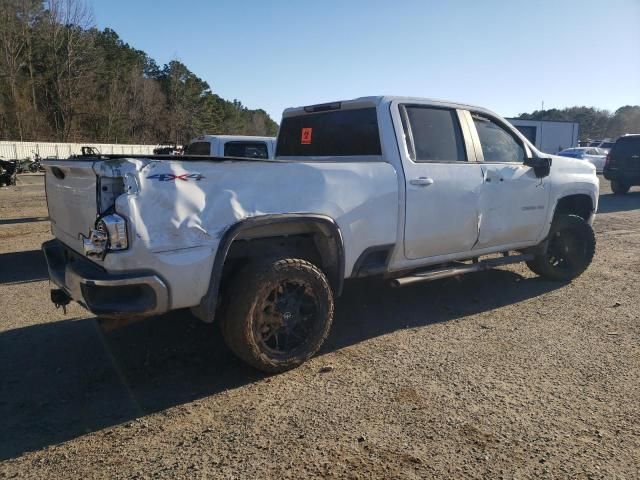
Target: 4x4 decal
column 169, row 177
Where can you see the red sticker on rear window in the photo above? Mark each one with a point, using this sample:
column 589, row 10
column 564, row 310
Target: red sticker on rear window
column 306, row 136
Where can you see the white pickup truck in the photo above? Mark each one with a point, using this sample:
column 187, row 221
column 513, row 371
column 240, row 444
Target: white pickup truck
column 405, row 188
column 232, row 146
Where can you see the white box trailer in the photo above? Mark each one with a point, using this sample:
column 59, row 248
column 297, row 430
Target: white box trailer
column 550, row 137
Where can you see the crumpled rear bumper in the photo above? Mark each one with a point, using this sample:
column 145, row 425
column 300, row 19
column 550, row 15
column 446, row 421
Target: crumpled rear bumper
column 105, row 294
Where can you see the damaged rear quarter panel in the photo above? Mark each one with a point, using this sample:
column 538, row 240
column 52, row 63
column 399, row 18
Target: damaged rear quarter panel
column 182, row 209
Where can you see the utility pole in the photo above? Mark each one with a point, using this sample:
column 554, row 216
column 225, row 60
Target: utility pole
column 541, row 123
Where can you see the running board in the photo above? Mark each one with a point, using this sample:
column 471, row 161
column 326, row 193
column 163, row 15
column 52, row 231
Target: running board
column 459, row 269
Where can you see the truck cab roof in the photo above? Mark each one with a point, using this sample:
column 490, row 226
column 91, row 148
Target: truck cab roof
column 375, row 101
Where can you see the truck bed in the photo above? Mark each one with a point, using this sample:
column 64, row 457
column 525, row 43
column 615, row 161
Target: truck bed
column 167, row 157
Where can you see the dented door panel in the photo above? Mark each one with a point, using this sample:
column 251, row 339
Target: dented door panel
column 513, row 205
column 442, row 218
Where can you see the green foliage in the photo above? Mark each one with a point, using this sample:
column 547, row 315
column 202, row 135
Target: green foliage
column 594, row 123
column 62, row 80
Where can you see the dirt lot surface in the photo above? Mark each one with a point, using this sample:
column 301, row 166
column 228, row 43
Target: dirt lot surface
column 493, row 375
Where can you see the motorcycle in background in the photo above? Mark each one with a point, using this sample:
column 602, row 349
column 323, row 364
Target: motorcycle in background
column 36, row 165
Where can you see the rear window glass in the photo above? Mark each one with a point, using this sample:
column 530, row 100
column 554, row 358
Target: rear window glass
column 436, row 135
column 337, row 133
column 198, row 148
column 246, row 149
column 627, row 146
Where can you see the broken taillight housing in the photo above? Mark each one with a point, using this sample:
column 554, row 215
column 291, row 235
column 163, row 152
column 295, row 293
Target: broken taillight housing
column 109, row 234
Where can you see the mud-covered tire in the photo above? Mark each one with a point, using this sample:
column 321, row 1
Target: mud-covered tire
column 619, row 188
column 569, row 250
column 279, row 313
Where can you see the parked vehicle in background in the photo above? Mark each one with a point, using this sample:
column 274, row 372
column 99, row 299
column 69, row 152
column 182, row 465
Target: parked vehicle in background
column 89, row 151
column 239, row 146
column 23, row 165
column 36, row 164
column 30, row 165
column 408, row 189
column 8, row 172
column 622, row 166
column 167, row 148
column 594, row 155
column 607, row 145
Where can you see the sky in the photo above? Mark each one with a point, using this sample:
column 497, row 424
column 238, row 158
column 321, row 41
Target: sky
column 505, row 55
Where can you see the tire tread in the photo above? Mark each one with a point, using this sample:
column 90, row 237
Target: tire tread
column 236, row 321
column 540, row 266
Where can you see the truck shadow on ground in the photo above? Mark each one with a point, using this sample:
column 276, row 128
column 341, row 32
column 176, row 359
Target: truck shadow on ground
column 14, row 221
column 63, row 379
column 24, row 266
column 610, row 202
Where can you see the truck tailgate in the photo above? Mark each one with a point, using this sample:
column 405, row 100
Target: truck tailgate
column 71, row 199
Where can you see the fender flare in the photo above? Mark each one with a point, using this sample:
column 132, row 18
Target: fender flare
column 554, row 207
column 570, row 193
column 209, row 302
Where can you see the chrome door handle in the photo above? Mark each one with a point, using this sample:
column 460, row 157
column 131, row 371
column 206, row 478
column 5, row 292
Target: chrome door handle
column 421, row 181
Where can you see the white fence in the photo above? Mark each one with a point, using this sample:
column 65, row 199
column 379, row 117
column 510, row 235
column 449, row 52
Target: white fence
column 21, row 150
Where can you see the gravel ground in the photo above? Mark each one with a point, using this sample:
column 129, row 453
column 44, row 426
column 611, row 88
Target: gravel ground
column 493, row 375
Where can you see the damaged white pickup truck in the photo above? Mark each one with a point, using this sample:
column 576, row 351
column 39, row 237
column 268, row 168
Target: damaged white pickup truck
column 405, row 188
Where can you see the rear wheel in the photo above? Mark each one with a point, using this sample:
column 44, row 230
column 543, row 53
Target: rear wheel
column 280, row 313
column 619, row 188
column 570, row 248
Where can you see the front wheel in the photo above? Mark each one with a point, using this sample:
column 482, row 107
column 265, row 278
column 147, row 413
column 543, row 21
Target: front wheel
column 279, row 315
column 570, row 248
column 619, row 188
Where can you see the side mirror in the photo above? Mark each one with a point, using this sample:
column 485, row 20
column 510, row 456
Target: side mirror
column 541, row 166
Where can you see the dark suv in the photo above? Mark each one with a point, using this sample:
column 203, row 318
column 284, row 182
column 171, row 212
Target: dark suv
column 623, row 164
